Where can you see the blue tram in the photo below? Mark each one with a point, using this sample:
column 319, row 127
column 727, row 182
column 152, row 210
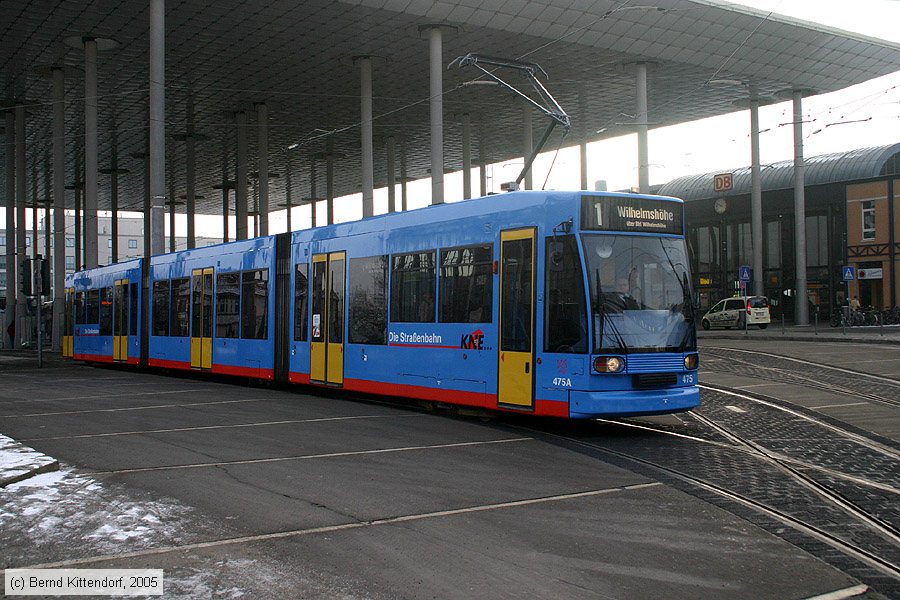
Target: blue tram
column 560, row 304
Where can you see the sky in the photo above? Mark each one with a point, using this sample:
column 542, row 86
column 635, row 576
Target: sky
column 861, row 116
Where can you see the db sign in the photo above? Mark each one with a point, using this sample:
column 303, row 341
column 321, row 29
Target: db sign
column 723, row 182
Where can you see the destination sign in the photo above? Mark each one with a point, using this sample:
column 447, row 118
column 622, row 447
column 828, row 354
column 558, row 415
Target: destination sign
column 645, row 215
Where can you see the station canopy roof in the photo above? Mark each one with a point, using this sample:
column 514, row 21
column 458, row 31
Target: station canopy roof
column 226, row 55
column 863, row 163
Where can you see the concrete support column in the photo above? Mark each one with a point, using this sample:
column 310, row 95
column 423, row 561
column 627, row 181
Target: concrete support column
column 329, row 178
column 157, row 126
column 527, row 143
column 367, row 152
column 582, row 146
column 756, row 201
column 11, row 266
column 148, row 204
column 240, row 168
column 403, row 178
column 288, row 199
column 642, row 119
column 262, row 208
column 482, row 161
column 436, row 93
column 190, row 190
column 20, row 219
column 170, row 203
column 79, row 247
column 582, row 150
column 59, row 206
column 467, row 155
column 48, row 205
column 313, row 192
column 801, row 307
column 391, row 175
column 226, row 214
column 35, row 205
column 114, row 211
column 91, row 251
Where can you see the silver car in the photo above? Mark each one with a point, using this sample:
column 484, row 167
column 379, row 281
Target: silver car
column 732, row 312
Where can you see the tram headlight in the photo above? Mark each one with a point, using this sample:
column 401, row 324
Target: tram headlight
column 609, row 364
column 691, row 361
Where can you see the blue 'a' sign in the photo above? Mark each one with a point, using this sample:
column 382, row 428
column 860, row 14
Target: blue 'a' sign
column 745, row 273
column 849, row 273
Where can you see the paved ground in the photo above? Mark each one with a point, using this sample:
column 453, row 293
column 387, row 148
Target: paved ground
column 238, row 490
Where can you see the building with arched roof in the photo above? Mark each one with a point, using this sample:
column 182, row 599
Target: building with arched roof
column 852, row 219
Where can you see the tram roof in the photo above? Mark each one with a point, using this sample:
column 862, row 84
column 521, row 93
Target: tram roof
column 853, row 165
column 297, row 56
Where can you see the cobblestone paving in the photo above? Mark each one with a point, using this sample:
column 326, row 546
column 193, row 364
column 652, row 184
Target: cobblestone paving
column 774, row 369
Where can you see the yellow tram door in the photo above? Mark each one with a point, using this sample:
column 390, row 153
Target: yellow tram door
column 68, row 345
column 515, row 385
column 327, row 339
column 120, row 320
column 201, row 318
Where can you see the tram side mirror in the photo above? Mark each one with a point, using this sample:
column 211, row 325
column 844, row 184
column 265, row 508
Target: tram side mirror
column 555, row 256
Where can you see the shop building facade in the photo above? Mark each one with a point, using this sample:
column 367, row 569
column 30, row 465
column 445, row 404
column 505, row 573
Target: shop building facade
column 852, row 219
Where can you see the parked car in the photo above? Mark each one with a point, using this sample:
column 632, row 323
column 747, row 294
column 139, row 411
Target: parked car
column 731, row 312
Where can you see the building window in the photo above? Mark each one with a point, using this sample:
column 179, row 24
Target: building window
column 3, row 280
column 739, row 244
column 255, row 304
column 368, row 300
column 817, row 241
column 412, row 288
column 2, row 240
column 132, row 244
column 109, row 243
column 773, row 244
column 228, row 305
column 70, row 263
column 868, row 220
column 28, row 241
column 467, row 285
column 70, row 242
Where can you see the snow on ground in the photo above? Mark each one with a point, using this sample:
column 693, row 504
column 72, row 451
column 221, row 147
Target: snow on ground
column 66, row 515
column 62, row 508
column 17, row 459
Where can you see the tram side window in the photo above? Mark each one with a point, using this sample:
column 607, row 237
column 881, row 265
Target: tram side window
column 566, row 311
column 228, row 305
column 92, row 307
column 412, row 288
column 106, row 310
column 181, row 307
column 467, row 284
column 368, row 300
column 133, row 309
column 301, row 302
column 79, row 308
column 255, row 304
column 161, row 307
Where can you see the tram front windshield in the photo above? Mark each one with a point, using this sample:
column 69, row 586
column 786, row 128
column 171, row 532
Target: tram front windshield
column 640, row 294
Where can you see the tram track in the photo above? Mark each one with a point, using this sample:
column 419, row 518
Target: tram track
column 852, row 372
column 806, row 476
column 883, row 566
column 823, row 381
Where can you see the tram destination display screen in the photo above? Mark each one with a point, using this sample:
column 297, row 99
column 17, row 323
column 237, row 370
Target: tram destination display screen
column 644, row 215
